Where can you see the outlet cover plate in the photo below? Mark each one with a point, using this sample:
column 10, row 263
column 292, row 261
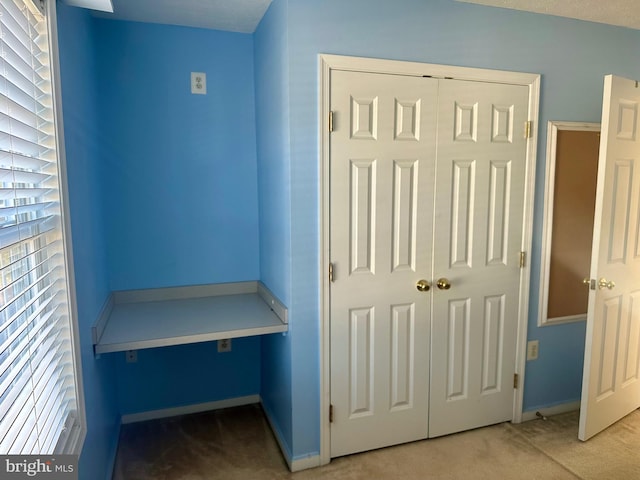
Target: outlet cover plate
column 199, row 83
column 224, row 345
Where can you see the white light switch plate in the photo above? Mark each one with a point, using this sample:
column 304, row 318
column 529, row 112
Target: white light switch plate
column 199, row 83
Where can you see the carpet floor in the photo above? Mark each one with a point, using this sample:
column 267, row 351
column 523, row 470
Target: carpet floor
column 237, row 444
column 612, row 454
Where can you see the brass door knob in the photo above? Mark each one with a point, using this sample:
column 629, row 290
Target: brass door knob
column 603, row 283
column 591, row 284
column 443, row 284
column 423, row 286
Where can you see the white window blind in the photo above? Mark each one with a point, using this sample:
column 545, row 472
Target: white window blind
column 38, row 387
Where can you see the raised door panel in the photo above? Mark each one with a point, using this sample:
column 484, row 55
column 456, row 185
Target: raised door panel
column 403, row 344
column 405, row 214
column 362, row 210
column 361, row 361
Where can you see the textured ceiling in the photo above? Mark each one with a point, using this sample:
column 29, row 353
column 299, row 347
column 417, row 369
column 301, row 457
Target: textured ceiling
column 230, row 15
column 244, row 15
column 624, row 13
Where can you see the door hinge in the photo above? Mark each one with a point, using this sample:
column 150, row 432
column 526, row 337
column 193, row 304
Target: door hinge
column 528, row 129
column 516, row 380
column 331, row 272
column 330, row 413
column 523, row 259
column 330, row 121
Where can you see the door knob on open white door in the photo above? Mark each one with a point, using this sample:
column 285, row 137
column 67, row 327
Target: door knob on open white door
column 443, row 284
column 423, row 286
column 603, row 283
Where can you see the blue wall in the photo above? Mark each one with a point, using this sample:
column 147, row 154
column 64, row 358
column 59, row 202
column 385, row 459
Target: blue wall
column 85, row 170
column 181, row 193
column 182, row 184
column 572, row 57
column 188, row 375
column 274, row 190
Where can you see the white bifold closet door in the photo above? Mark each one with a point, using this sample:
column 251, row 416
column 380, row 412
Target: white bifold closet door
column 426, row 208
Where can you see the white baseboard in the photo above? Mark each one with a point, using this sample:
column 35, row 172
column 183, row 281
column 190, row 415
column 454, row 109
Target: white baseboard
column 305, row 463
column 188, row 409
column 294, row 464
column 284, row 448
column 550, row 411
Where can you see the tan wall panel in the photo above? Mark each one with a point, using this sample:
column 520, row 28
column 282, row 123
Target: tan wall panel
column 573, row 210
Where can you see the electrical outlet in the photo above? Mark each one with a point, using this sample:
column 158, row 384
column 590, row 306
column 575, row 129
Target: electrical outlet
column 532, row 350
column 131, row 356
column 224, row 345
column 199, row 83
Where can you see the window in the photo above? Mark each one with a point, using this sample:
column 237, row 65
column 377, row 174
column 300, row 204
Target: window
column 40, row 409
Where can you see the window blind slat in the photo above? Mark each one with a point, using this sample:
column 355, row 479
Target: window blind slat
column 13, row 363
column 15, row 381
column 19, row 130
column 26, row 422
column 14, row 256
column 44, row 233
column 23, row 114
column 16, row 233
column 18, row 40
column 10, row 176
column 21, row 256
column 16, row 415
column 26, row 309
column 53, row 390
column 21, row 48
column 22, row 193
column 18, row 161
column 17, row 21
column 26, row 67
column 23, row 286
column 25, row 441
column 13, row 217
column 54, row 423
column 23, row 213
column 15, row 79
column 27, row 387
column 22, row 145
column 15, row 89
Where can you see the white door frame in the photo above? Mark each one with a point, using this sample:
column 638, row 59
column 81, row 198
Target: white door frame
column 327, row 63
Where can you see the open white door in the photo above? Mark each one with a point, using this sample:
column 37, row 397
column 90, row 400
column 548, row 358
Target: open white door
column 611, row 383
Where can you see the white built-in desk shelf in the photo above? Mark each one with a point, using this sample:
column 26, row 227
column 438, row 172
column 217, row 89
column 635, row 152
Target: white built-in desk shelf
column 137, row 319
